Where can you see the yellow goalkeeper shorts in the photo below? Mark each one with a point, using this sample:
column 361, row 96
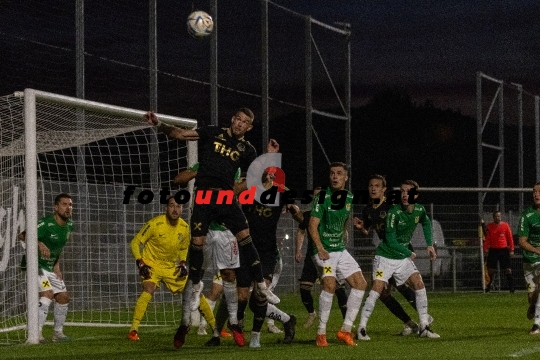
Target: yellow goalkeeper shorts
column 169, row 277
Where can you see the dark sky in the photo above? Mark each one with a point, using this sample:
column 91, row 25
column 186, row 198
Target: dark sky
column 434, row 48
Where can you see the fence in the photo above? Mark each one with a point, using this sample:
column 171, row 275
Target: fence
column 459, row 264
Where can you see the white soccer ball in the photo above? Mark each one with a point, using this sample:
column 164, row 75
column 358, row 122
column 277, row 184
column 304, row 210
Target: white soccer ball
column 199, row 24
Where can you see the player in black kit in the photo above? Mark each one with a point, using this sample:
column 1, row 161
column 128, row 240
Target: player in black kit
column 374, row 216
column 263, row 220
column 221, row 152
column 309, row 271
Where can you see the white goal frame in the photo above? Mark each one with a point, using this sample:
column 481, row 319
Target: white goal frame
column 31, row 96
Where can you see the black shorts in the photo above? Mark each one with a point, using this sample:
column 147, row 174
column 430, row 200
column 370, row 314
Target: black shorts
column 268, row 263
column 229, row 214
column 498, row 255
column 309, row 271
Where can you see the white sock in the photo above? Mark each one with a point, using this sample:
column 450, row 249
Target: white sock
column 60, row 313
column 270, row 322
column 422, row 306
column 43, row 311
column 186, row 311
column 367, row 310
column 353, row 306
column 325, row 305
column 273, row 312
column 537, row 312
column 231, row 297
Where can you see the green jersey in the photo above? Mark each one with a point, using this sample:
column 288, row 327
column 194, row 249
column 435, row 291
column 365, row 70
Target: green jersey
column 529, row 227
column 332, row 221
column 54, row 237
column 400, row 226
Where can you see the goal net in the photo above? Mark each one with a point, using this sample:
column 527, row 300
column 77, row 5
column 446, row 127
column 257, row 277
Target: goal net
column 91, row 151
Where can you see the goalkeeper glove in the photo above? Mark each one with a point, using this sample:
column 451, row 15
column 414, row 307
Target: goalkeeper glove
column 144, row 270
column 181, row 270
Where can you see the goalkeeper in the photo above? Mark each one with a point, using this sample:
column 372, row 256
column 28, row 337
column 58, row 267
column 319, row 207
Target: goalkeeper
column 165, row 240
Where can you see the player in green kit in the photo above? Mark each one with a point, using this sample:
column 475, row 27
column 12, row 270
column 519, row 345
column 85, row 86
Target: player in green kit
column 394, row 258
column 327, row 228
column 529, row 241
column 53, row 233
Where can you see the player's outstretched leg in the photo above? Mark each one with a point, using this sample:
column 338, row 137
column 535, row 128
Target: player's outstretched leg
column 307, row 300
column 353, row 306
column 60, row 313
column 342, row 298
column 422, row 307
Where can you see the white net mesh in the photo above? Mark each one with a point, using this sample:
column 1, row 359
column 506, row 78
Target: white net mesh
column 92, row 156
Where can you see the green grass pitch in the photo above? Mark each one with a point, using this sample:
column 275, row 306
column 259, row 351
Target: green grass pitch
column 472, row 326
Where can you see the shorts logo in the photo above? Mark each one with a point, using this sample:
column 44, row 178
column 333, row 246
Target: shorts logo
column 45, row 284
column 197, row 226
column 379, row 274
column 327, row 269
column 529, row 287
column 217, row 277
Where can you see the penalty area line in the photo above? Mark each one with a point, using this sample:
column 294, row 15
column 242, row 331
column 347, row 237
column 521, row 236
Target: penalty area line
column 524, row 352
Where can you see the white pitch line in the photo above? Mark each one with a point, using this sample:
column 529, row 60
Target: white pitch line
column 524, row 352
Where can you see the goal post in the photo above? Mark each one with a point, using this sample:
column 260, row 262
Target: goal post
column 50, row 144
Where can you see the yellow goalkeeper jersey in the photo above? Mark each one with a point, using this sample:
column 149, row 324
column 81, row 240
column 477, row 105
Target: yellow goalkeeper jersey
column 163, row 244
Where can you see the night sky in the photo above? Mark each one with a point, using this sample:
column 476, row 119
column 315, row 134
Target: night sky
column 433, row 49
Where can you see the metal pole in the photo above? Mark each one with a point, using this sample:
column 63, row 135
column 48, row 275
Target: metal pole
column 537, row 134
column 153, row 86
column 479, row 157
column 309, row 105
column 348, row 147
column 83, row 212
column 264, row 76
column 520, row 143
column 214, row 107
column 501, row 144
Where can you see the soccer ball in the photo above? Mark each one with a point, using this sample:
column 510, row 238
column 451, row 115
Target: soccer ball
column 199, row 24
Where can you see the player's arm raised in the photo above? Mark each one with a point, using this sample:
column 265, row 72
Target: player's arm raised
column 171, row 131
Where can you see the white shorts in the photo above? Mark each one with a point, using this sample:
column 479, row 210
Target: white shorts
column 340, row 265
column 49, row 281
column 222, row 247
column 401, row 270
column 532, row 275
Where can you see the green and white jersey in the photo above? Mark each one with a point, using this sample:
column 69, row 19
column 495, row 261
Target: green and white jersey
column 217, row 226
column 54, row 237
column 332, row 225
column 529, row 227
column 400, row 226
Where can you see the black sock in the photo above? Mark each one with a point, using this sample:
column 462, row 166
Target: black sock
column 408, row 294
column 510, row 280
column 395, row 308
column 222, row 314
column 250, row 257
column 307, row 298
column 242, row 305
column 196, row 259
column 259, row 312
column 342, row 299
